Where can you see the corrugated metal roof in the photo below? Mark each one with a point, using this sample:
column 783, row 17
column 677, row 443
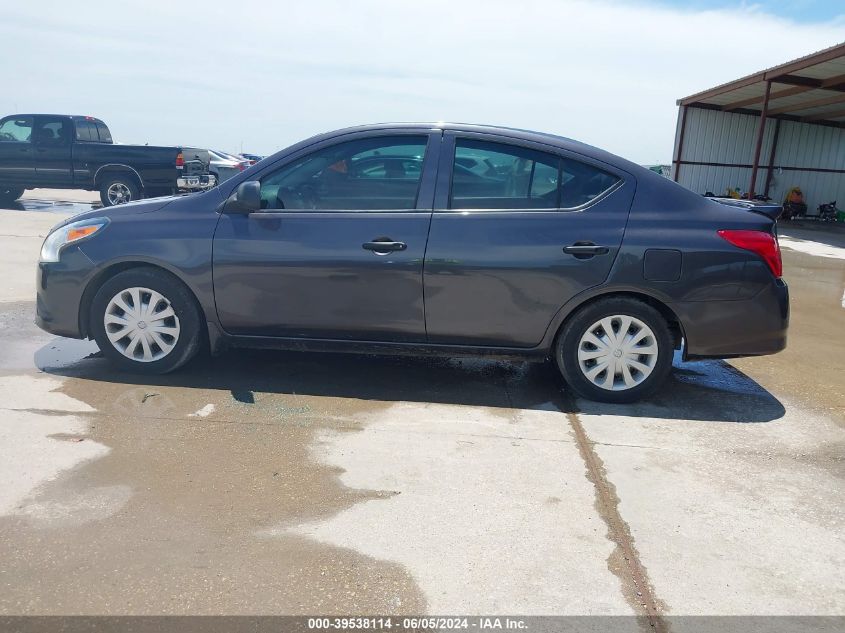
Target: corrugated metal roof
column 809, row 89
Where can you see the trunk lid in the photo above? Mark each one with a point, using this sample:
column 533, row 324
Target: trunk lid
column 768, row 209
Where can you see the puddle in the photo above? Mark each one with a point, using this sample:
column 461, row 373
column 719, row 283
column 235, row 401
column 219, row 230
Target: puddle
column 50, row 206
column 39, row 455
column 175, row 512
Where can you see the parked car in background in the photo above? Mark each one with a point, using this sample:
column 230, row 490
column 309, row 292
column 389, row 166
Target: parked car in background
column 252, row 158
column 428, row 239
column 77, row 152
column 224, row 165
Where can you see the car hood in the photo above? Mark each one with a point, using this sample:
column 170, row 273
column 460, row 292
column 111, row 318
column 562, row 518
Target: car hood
column 130, row 208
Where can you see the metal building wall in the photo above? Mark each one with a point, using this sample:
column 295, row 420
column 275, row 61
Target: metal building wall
column 726, row 140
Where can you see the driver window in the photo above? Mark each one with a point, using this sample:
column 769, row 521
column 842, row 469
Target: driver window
column 16, row 130
column 377, row 173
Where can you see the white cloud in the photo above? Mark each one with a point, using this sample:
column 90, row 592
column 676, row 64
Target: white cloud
column 267, row 74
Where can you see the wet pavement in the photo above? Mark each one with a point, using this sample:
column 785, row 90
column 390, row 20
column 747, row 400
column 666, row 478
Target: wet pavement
column 64, row 201
column 269, row 482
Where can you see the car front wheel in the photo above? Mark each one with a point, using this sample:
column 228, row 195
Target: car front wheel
column 615, row 350
column 146, row 321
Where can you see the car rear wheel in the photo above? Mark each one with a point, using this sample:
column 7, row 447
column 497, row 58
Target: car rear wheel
column 146, row 321
column 10, row 194
column 615, row 350
column 118, row 189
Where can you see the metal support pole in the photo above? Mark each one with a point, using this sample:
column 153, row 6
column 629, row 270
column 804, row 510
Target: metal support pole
column 772, row 157
column 677, row 169
column 761, row 127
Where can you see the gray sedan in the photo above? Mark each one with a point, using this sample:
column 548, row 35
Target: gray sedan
column 428, row 239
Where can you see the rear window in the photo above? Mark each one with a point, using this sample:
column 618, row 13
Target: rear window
column 86, row 131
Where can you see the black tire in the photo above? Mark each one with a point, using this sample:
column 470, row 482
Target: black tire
column 566, row 349
column 10, row 193
column 122, row 182
column 182, row 301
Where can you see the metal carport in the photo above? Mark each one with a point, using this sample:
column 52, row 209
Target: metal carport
column 768, row 132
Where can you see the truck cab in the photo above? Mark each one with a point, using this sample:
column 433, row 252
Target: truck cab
column 78, row 152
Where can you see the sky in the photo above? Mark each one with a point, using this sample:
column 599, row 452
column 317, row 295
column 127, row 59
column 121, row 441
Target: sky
column 257, row 76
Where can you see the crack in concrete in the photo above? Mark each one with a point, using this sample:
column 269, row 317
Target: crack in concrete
column 624, row 561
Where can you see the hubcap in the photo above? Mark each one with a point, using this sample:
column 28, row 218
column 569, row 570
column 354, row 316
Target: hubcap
column 617, row 352
column 118, row 193
column 141, row 324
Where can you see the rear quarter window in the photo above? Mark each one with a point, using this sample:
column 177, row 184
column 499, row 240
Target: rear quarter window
column 103, row 131
column 581, row 183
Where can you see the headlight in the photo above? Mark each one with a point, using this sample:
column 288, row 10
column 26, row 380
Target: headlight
column 67, row 234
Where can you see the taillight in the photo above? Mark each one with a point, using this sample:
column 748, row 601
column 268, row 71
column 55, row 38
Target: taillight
column 180, row 160
column 760, row 242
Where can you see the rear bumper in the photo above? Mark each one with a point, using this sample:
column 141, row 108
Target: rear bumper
column 196, row 183
column 723, row 329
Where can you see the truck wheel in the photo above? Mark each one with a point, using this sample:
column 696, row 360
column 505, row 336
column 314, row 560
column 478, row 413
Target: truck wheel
column 146, row 321
column 615, row 350
column 118, row 189
column 10, row 194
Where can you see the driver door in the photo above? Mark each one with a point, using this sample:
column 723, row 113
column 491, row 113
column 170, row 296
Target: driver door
column 17, row 160
column 337, row 250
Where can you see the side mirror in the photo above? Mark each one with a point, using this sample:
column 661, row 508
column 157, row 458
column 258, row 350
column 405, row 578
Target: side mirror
column 246, row 198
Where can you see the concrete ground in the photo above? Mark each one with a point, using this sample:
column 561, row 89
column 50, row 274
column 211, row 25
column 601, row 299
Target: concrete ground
column 270, row 483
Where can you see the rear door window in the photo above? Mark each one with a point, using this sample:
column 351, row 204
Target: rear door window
column 499, row 176
column 487, row 175
column 52, row 131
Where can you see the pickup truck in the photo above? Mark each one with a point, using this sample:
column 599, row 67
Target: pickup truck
column 77, row 152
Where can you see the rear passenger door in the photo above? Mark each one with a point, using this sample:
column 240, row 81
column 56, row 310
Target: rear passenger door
column 518, row 229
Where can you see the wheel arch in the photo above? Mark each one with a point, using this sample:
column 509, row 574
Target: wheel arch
column 569, row 310
column 104, row 171
column 115, row 268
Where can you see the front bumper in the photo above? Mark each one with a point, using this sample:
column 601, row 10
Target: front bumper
column 748, row 327
column 59, row 289
column 196, row 183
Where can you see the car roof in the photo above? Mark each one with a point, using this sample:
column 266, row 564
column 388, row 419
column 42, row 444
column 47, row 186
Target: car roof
column 75, row 117
column 511, row 132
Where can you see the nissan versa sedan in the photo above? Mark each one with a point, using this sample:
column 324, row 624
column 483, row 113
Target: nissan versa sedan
column 428, row 239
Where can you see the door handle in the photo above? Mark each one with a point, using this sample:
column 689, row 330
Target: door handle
column 585, row 250
column 382, row 246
